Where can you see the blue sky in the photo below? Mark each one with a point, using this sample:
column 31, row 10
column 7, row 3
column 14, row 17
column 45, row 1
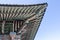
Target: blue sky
column 50, row 25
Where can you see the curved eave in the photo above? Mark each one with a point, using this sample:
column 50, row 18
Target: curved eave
column 19, row 11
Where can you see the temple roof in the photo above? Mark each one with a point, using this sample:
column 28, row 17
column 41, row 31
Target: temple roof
column 31, row 13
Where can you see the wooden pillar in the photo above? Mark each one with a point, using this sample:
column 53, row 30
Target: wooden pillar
column 3, row 27
column 13, row 26
column 18, row 24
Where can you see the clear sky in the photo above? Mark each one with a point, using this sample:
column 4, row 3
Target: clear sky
column 50, row 25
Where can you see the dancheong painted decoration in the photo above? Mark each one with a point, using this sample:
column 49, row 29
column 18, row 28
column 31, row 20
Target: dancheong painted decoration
column 20, row 22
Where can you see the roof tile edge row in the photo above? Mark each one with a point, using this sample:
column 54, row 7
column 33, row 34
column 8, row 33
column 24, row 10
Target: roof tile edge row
column 16, row 5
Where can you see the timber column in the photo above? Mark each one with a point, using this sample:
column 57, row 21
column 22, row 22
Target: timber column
column 13, row 26
column 3, row 27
